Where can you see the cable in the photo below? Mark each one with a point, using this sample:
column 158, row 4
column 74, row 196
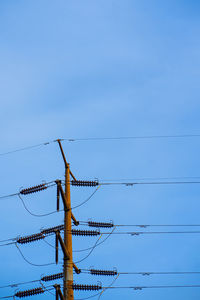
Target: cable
column 118, row 183
column 153, row 287
column 44, row 287
column 85, row 223
column 50, row 244
column 32, row 264
column 74, row 207
column 7, row 244
column 147, row 273
column 12, row 239
column 155, row 232
column 95, row 295
column 109, row 286
column 150, row 183
column 26, row 148
column 119, row 273
column 89, row 252
column 131, row 137
column 47, row 185
column 152, row 178
column 8, row 196
column 50, row 288
column 103, row 139
column 20, row 283
column 158, row 273
column 109, row 234
column 37, row 215
column 6, row 297
column 158, row 225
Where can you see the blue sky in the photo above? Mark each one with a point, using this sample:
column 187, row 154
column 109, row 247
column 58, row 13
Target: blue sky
column 96, row 69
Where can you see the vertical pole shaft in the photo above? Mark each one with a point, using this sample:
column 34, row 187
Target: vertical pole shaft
column 68, row 263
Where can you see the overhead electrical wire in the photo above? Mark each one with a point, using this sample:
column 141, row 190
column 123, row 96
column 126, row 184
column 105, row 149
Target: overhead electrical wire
column 89, row 297
column 30, row 263
column 131, row 137
column 153, row 232
column 43, row 186
column 95, row 245
column 85, row 201
column 85, row 223
column 37, row 215
column 87, row 271
column 9, row 196
column 154, row 287
column 148, row 273
column 132, row 233
column 46, row 289
column 7, row 244
column 149, row 178
column 26, row 148
column 115, row 183
column 19, row 283
column 49, row 288
column 103, row 139
column 104, row 289
column 149, row 183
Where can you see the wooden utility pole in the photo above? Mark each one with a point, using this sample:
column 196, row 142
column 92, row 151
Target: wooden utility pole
column 68, row 261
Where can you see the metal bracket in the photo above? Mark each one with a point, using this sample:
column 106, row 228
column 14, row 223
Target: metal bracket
column 64, row 158
column 60, row 240
column 58, row 292
column 60, row 191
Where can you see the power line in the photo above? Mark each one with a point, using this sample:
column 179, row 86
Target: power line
column 7, row 244
column 115, row 183
column 19, row 283
column 149, row 178
column 46, row 289
column 37, row 215
column 149, row 183
column 131, row 137
column 95, row 295
column 102, row 139
column 109, row 286
column 96, row 245
column 89, row 252
column 148, row 273
column 158, row 225
column 86, row 223
column 153, row 287
column 26, row 148
column 31, row 190
column 154, row 232
column 8, row 196
column 30, row 263
column 74, row 207
column 7, row 240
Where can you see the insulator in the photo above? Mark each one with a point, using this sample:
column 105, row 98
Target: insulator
column 100, row 224
column 86, row 287
column 52, row 229
column 34, row 189
column 52, row 277
column 27, row 293
column 84, row 183
column 103, row 272
column 85, row 232
column 30, row 238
